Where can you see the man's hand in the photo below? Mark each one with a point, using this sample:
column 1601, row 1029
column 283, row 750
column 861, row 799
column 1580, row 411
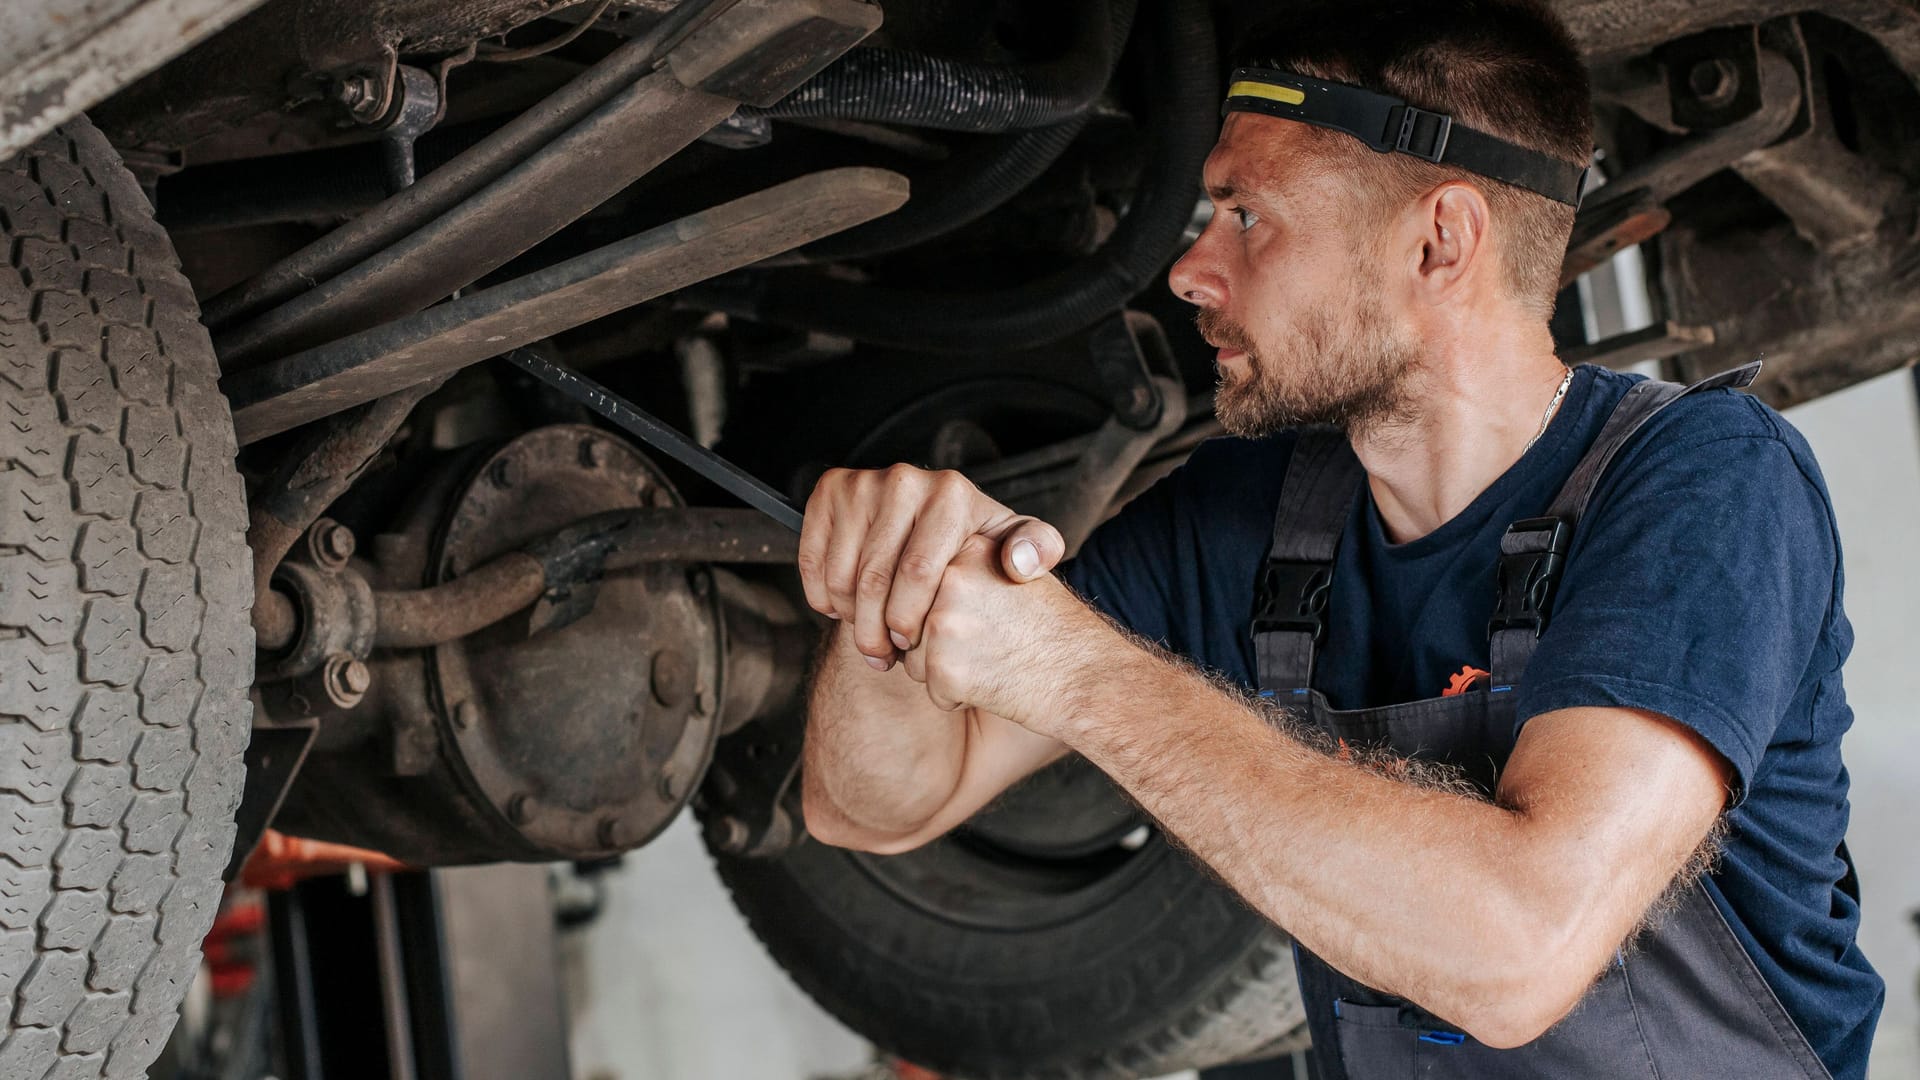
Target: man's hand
column 877, row 542
column 1021, row 651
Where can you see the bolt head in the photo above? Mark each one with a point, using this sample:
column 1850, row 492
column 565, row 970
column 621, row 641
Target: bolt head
column 700, row 582
column 339, row 542
column 465, row 715
column 702, row 702
column 503, row 473
column 670, row 786
column 520, row 809
column 1714, row 81
column 355, row 676
column 672, row 678
column 593, row 453
column 607, row 833
column 659, row 497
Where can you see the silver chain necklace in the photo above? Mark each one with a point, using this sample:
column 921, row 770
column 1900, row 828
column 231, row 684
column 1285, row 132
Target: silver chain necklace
column 1552, row 407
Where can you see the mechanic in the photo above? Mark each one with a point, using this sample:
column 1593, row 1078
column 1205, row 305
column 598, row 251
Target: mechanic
column 1435, row 552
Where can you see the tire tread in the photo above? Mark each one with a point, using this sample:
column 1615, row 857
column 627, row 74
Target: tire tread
column 125, row 649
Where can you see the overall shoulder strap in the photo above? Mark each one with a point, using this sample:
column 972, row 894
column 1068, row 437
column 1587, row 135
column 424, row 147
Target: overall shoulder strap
column 1534, row 551
column 1290, row 595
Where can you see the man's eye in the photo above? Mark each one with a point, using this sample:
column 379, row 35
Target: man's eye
column 1247, row 217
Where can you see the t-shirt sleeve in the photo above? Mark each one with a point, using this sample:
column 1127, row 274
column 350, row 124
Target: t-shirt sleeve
column 1121, row 568
column 1698, row 587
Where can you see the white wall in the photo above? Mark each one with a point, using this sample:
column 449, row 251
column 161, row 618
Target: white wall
column 1868, row 445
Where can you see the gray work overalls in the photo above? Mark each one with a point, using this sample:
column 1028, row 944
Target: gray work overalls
column 1683, row 1001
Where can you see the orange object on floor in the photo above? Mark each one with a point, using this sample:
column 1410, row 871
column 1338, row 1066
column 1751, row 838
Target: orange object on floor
column 282, row 860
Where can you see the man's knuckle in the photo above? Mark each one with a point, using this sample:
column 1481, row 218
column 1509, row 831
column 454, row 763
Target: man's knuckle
column 919, row 568
column 875, row 581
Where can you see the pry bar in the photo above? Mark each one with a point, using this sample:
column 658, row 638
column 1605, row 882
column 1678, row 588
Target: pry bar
column 651, row 431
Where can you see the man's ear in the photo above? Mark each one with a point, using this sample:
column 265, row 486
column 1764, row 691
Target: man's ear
column 1455, row 247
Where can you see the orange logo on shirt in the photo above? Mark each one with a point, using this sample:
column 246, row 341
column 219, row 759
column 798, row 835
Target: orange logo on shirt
column 1463, row 682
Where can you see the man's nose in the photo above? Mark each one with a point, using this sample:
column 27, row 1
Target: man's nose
column 1196, row 279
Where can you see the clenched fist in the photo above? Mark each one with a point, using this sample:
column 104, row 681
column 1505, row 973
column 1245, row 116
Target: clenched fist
column 877, row 542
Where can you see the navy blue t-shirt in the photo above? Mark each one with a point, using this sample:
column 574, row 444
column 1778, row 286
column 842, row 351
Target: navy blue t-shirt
column 1703, row 584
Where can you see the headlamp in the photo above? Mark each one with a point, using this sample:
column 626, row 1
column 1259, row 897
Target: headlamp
column 1388, row 124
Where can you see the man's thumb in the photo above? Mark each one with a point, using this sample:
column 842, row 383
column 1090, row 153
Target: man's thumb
column 1030, row 549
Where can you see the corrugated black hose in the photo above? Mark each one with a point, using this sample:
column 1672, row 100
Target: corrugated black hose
column 888, row 86
column 967, row 187
column 1182, row 103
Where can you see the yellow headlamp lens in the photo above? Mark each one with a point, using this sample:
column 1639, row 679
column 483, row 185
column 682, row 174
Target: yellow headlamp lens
column 1285, row 95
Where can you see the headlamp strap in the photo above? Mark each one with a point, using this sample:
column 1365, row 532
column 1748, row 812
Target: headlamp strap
column 1388, row 124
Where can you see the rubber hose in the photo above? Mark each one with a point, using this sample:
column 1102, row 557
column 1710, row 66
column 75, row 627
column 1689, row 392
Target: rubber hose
column 889, row 86
column 966, row 188
column 1181, row 131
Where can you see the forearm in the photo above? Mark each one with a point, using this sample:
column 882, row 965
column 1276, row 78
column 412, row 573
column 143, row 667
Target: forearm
column 1410, row 889
column 880, row 757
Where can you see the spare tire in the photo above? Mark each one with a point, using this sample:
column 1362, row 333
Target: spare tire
column 1055, row 935
column 125, row 650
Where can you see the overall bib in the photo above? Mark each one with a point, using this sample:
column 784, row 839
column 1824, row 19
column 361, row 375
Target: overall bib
column 1685, row 1001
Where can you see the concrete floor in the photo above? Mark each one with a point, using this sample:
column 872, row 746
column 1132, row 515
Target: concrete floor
column 669, row 985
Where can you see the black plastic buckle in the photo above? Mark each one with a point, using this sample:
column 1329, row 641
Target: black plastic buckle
column 1292, row 596
column 1531, row 556
column 1410, row 126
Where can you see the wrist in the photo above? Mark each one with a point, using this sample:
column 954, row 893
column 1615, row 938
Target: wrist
column 1106, row 680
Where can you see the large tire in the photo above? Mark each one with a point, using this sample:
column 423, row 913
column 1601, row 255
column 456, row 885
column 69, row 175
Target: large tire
column 125, row 648
column 978, row 962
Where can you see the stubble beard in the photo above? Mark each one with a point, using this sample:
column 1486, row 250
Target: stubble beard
column 1349, row 373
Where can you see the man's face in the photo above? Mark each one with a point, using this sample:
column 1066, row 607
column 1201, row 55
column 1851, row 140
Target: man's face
column 1294, row 287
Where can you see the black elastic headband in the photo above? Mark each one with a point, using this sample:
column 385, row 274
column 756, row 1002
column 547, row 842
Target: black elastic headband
column 1387, row 123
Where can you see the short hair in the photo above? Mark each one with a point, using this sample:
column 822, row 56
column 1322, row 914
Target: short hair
column 1506, row 67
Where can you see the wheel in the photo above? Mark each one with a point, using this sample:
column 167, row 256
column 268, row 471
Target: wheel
column 1056, row 935
column 125, row 648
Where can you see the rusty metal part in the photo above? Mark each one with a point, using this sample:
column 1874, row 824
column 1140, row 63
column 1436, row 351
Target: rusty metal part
column 1656, row 342
column 570, row 744
column 346, row 679
column 725, row 56
column 1084, row 498
column 459, row 178
column 1837, row 198
column 335, row 617
column 636, row 129
column 770, row 642
column 287, row 51
column 620, row 538
column 419, row 618
column 310, row 477
column 575, row 741
column 305, row 386
column 1630, row 208
column 58, row 57
column 330, row 545
column 622, row 141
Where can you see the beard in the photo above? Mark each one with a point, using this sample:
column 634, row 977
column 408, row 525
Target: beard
column 1349, row 373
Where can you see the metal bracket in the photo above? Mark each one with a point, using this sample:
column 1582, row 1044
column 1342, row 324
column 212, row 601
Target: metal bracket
column 273, row 758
